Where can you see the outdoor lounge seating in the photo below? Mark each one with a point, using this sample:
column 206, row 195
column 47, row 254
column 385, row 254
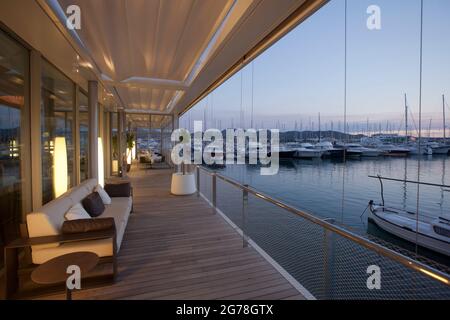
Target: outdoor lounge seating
column 47, row 239
column 49, row 219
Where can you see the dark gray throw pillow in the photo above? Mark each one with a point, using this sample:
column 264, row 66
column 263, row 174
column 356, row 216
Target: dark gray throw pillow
column 87, row 225
column 118, row 189
column 93, row 204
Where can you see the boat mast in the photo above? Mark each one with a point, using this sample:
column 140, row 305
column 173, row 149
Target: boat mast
column 443, row 115
column 429, row 128
column 319, row 129
column 406, row 119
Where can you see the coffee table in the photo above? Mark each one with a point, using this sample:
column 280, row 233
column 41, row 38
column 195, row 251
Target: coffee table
column 54, row 271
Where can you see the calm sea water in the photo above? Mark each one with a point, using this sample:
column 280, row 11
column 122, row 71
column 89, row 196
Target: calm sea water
column 341, row 191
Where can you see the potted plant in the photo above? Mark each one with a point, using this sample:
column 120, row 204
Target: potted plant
column 183, row 182
column 130, row 145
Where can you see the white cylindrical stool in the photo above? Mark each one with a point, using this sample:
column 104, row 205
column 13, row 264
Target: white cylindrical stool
column 183, row 184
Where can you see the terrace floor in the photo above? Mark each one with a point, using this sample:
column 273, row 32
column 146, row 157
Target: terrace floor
column 176, row 248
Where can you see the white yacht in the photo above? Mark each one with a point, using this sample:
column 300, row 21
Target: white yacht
column 439, row 148
column 307, row 151
column 329, row 151
column 365, row 152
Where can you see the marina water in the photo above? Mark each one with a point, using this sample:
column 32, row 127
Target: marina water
column 341, row 190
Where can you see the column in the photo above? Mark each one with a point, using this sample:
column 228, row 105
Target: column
column 93, row 128
column 35, row 128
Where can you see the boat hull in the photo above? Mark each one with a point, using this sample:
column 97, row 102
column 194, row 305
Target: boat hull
column 371, row 153
column 441, row 150
column 353, row 154
column 334, row 153
column 286, row 154
column 308, row 154
column 407, row 233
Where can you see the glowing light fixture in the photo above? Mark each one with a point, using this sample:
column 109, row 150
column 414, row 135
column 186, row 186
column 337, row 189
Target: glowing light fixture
column 115, row 166
column 133, row 151
column 129, row 156
column 101, row 169
column 59, row 166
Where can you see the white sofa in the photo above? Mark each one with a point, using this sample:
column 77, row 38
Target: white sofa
column 48, row 220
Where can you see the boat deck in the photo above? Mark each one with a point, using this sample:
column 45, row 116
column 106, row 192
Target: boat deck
column 176, row 248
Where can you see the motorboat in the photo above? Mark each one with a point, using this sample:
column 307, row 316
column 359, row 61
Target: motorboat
column 365, row 152
column 439, row 148
column 330, row 151
column 307, row 151
column 424, row 149
column 286, row 152
column 351, row 152
column 393, row 150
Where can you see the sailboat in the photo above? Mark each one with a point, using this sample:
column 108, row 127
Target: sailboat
column 418, row 147
column 433, row 234
column 444, row 147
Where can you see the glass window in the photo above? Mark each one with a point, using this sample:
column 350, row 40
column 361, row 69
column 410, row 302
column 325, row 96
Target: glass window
column 13, row 63
column 57, row 102
column 84, row 137
column 115, row 144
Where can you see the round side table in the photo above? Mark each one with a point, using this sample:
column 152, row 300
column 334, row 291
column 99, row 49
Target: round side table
column 54, row 271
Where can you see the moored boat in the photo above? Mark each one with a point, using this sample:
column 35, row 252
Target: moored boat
column 433, row 235
column 330, row 151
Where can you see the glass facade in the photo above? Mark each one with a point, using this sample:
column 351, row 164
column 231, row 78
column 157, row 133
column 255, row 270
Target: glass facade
column 84, row 136
column 13, row 63
column 57, row 123
column 114, row 143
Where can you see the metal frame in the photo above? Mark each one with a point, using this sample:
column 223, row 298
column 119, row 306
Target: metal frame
column 329, row 227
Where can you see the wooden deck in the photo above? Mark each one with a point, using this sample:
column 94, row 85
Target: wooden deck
column 176, row 248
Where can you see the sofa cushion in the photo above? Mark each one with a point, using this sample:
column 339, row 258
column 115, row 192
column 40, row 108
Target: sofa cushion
column 78, row 193
column 47, row 221
column 102, row 247
column 87, row 225
column 119, row 209
column 76, row 212
column 122, row 189
column 105, row 197
column 93, row 204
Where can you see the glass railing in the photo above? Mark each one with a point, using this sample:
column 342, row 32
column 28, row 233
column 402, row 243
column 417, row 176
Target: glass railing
column 327, row 260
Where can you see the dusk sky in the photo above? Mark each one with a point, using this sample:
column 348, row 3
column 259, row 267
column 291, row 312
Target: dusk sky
column 303, row 73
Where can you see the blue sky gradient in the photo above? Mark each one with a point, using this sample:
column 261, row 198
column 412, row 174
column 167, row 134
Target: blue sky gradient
column 303, row 73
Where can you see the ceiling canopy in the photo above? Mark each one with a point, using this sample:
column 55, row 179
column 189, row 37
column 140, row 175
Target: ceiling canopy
column 159, row 55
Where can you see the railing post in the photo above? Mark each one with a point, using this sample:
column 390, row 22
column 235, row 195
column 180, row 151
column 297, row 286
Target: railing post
column 214, row 192
column 328, row 262
column 244, row 215
column 198, row 181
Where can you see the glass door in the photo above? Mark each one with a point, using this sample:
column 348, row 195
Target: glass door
column 13, row 63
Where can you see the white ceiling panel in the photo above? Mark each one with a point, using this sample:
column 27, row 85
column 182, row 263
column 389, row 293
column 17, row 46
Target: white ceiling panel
column 158, row 55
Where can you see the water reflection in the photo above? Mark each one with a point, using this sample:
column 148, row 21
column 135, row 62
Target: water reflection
column 341, row 190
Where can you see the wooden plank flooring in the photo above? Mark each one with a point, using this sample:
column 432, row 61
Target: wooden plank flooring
column 176, row 248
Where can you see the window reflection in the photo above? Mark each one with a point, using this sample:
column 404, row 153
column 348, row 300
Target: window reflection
column 13, row 62
column 114, row 144
column 84, row 136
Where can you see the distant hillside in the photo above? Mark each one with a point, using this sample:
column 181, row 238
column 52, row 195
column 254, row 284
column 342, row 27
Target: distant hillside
column 291, row 136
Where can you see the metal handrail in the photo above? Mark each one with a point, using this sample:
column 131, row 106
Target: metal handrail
column 404, row 260
column 411, row 181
